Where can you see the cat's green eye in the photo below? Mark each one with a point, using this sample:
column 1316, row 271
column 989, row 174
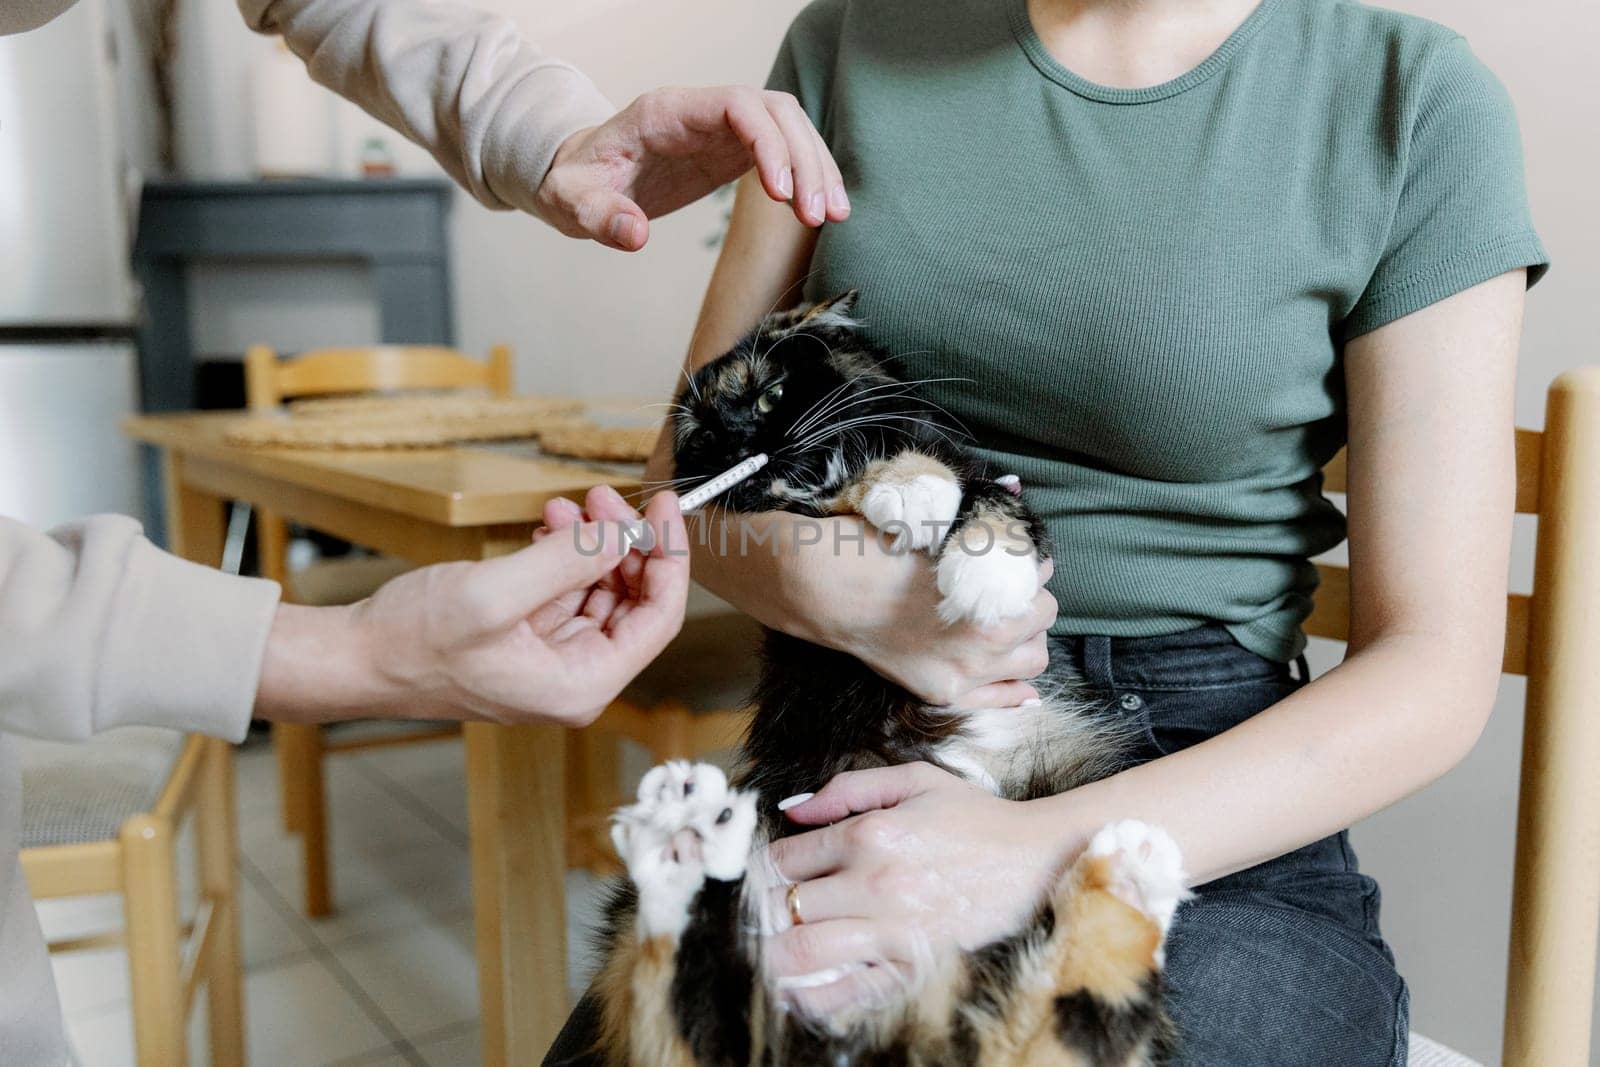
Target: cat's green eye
column 769, row 399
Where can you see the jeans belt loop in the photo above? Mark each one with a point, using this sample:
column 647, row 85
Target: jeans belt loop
column 1097, row 661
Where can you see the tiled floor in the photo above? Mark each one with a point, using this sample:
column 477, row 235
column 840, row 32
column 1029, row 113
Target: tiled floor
column 389, row 979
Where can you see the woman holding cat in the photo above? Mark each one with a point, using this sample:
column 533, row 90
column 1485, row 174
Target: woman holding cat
column 1174, row 254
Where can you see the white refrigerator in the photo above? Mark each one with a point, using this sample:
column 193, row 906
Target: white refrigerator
column 74, row 136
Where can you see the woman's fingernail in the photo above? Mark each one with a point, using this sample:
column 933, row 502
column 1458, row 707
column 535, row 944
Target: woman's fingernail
column 814, row 206
column 795, row 801
column 785, row 183
column 639, row 535
column 622, row 229
column 1032, row 702
column 837, row 199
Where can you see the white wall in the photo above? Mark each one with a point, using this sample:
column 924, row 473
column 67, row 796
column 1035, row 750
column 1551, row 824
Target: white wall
column 587, row 320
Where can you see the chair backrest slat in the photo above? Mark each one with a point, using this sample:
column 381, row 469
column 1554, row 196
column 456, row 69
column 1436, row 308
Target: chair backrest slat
column 324, row 371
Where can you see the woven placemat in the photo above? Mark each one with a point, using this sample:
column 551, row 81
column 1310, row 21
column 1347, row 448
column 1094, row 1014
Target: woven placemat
column 380, row 433
column 586, row 439
column 433, row 406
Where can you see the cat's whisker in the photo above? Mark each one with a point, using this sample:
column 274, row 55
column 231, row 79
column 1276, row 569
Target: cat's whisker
column 946, row 412
column 656, row 485
column 822, row 435
column 688, row 376
column 807, row 419
column 819, row 412
column 813, row 416
column 909, row 414
column 889, row 429
column 880, row 391
column 867, row 397
column 833, row 403
column 881, row 418
column 829, row 405
column 670, row 405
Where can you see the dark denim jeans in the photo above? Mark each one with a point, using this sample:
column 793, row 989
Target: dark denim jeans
column 1281, row 965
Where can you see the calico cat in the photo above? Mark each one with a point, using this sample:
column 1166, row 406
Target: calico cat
column 1078, row 984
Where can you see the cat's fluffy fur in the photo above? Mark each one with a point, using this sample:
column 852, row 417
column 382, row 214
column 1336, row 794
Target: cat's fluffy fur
column 1078, row 984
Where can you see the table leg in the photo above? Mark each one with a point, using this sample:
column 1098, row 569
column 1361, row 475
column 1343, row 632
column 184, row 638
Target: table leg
column 196, row 524
column 517, row 818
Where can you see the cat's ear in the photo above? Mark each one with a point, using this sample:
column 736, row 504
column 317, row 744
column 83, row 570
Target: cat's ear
column 835, row 311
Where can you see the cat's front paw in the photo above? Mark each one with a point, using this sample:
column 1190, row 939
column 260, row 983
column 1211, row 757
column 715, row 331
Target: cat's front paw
column 918, row 509
column 686, row 826
column 985, row 582
column 1146, row 868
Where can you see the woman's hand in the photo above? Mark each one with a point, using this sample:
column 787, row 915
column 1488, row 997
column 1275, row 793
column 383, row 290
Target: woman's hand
column 548, row 634
column 883, row 608
column 917, row 862
column 670, row 147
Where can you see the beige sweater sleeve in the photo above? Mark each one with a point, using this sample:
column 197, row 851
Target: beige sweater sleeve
column 461, row 83
column 99, row 628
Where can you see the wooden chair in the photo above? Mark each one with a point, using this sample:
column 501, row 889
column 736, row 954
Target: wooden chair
column 269, row 381
column 1552, row 637
column 687, row 704
column 104, row 817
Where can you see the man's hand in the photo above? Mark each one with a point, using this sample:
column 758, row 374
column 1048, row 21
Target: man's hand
column 670, row 147
column 551, row 633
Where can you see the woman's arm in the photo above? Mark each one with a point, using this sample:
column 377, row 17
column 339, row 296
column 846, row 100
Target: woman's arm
column 1431, row 482
column 841, row 589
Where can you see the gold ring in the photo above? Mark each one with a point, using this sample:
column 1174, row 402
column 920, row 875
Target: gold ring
column 793, row 897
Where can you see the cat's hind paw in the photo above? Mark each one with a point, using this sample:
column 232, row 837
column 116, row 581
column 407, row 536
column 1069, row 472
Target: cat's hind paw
column 687, row 825
column 1145, row 868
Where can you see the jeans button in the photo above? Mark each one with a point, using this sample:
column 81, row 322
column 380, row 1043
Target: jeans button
column 1131, row 702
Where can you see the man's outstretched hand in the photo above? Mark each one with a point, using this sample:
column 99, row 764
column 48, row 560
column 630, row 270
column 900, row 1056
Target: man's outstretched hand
column 670, row 147
column 550, row 633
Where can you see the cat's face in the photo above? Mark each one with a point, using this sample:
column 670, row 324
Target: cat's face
column 801, row 388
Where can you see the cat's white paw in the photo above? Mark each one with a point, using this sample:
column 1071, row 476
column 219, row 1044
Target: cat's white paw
column 917, row 510
column 686, row 826
column 666, row 787
column 1146, row 867
column 986, row 582
column 667, row 872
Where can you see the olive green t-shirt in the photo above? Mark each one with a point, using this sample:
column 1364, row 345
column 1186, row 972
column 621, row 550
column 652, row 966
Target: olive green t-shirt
column 1145, row 292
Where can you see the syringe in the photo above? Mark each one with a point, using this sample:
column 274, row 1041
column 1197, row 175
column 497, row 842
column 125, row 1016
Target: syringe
column 642, row 537
column 704, row 493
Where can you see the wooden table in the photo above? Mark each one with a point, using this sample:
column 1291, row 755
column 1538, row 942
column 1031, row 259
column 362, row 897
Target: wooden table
column 427, row 506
